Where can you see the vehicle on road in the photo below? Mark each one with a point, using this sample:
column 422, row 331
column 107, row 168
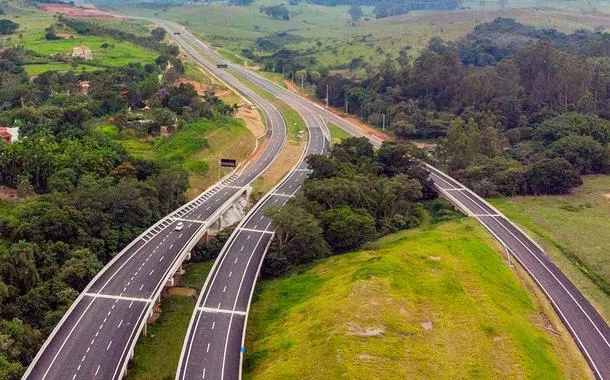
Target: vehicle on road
column 179, row 226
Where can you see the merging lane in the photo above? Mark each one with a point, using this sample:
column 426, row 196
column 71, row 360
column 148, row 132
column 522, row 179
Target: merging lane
column 588, row 328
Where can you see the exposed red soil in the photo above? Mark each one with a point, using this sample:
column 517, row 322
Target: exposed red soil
column 75, row 11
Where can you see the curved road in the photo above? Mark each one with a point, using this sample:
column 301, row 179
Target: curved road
column 589, row 330
column 95, row 338
column 215, row 337
column 212, row 348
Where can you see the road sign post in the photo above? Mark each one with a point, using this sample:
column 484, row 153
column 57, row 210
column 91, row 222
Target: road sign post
column 227, row 163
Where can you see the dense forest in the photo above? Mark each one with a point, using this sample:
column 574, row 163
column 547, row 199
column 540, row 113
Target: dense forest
column 82, row 197
column 524, row 120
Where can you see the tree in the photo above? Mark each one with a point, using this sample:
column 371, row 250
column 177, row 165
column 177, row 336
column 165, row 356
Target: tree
column 18, row 268
column 8, row 27
column 551, row 176
column 298, row 239
column 584, row 153
column 322, row 166
column 403, row 129
column 355, row 12
column 355, row 150
column 346, row 229
column 79, row 269
column 157, row 34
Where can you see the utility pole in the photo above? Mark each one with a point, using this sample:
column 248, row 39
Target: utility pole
column 302, row 79
column 326, row 96
column 346, row 112
column 293, row 77
column 383, row 124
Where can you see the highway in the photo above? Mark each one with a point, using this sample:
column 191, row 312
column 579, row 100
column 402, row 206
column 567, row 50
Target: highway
column 96, row 336
column 216, row 333
column 589, row 330
column 212, row 348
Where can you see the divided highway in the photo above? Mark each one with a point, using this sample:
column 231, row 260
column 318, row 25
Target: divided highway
column 96, row 337
column 213, row 347
column 215, row 338
column 588, row 328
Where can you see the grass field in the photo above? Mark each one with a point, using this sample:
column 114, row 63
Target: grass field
column 435, row 302
column 337, row 134
column 157, row 354
column 31, row 35
column 573, row 229
column 326, row 34
column 196, row 147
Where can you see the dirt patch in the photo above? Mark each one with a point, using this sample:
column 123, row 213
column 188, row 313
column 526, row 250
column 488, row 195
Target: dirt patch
column 426, row 325
column 607, row 196
column 71, row 11
column 8, row 194
column 291, row 86
column 156, row 313
column 199, row 87
column 435, row 258
column 355, row 329
column 252, row 119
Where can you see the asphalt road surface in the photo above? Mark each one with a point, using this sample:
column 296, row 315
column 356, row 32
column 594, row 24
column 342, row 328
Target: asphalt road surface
column 588, row 328
column 214, row 340
column 95, row 337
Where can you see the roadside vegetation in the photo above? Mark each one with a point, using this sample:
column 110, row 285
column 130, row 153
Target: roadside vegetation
column 431, row 302
column 570, row 228
column 352, row 197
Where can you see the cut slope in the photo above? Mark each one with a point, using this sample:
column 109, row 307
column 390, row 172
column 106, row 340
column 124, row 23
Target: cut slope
column 427, row 303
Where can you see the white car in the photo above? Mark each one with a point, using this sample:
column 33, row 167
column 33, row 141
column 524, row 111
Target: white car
column 179, row 226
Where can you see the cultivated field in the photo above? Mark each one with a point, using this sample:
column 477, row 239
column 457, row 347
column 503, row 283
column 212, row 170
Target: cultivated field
column 433, row 302
column 573, row 229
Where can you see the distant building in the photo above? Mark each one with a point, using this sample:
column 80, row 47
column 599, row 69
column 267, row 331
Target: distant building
column 82, row 52
column 8, row 135
column 84, row 87
column 5, row 136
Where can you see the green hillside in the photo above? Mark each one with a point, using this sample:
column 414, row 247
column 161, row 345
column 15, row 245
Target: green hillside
column 427, row 303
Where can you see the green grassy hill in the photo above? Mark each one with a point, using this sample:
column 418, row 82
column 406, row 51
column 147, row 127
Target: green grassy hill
column 426, row 303
column 573, row 229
